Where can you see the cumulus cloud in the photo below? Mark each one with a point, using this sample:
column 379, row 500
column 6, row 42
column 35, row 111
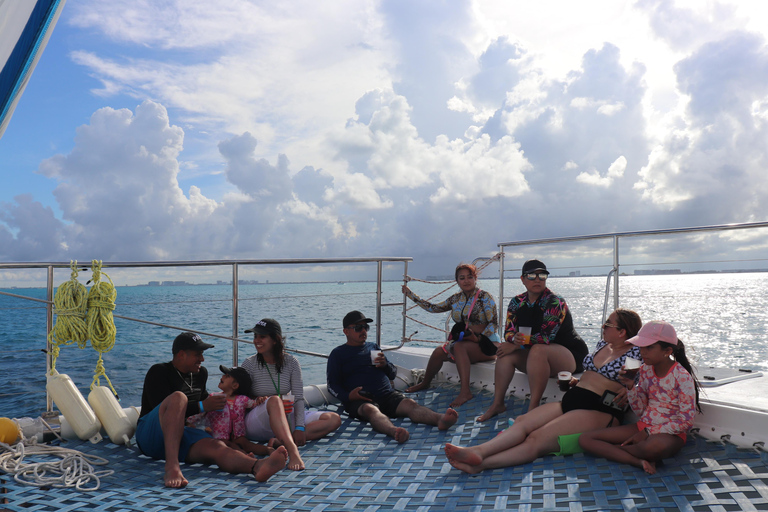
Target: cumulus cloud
column 30, row 231
column 241, row 66
column 715, row 152
column 616, row 170
column 385, row 145
column 392, row 128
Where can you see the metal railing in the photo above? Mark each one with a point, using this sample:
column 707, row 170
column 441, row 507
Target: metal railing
column 613, row 273
column 236, row 266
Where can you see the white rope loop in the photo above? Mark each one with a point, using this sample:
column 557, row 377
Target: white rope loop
column 74, row 469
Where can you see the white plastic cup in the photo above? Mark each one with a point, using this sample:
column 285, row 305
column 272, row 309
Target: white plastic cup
column 374, row 355
column 631, row 367
column 525, row 331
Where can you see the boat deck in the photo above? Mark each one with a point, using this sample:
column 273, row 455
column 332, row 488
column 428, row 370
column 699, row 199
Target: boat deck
column 358, row 469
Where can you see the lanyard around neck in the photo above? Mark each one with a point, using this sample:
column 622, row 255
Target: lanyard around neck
column 277, row 386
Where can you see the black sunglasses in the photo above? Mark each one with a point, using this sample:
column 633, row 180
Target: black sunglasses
column 361, row 327
column 532, row 276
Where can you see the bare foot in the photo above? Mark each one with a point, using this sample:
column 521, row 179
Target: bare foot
column 401, row 435
column 649, row 467
column 274, row 443
column 294, row 462
column 418, row 387
column 463, row 398
column 464, row 467
column 448, row 420
column 492, row 411
column 173, row 477
column 265, row 468
column 462, row 455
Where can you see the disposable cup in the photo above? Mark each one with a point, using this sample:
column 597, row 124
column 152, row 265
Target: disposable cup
column 564, row 380
column 374, row 355
column 526, row 332
column 631, row 367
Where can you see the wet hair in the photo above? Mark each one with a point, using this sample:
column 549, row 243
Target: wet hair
column 278, row 350
column 465, row 266
column 678, row 352
column 629, row 321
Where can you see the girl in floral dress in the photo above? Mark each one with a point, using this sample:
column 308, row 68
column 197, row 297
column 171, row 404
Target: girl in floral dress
column 665, row 398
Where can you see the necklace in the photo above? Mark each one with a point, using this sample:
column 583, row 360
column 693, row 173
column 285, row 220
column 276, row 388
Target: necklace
column 188, row 384
column 277, row 386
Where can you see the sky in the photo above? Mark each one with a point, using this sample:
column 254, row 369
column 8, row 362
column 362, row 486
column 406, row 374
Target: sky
column 178, row 130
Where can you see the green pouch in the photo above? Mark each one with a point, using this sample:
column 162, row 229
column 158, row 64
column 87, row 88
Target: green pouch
column 569, row 444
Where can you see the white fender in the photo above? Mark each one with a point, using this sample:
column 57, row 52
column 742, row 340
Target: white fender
column 74, row 407
column 111, row 415
column 67, row 432
column 318, row 395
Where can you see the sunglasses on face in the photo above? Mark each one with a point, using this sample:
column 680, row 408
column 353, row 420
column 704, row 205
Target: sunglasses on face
column 532, row 276
column 607, row 325
column 360, row 327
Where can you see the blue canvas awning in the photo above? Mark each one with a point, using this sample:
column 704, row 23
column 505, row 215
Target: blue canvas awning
column 25, row 26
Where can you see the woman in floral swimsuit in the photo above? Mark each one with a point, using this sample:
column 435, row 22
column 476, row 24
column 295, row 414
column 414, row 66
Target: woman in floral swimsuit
column 476, row 309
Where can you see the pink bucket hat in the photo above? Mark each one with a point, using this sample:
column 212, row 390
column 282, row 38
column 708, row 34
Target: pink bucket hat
column 652, row 332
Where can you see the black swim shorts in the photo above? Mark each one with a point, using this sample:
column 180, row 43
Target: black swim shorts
column 580, row 398
column 387, row 403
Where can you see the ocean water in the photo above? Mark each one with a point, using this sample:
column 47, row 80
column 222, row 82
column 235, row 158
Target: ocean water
column 722, row 318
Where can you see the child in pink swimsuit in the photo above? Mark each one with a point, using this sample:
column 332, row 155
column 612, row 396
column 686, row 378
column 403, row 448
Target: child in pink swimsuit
column 666, row 398
column 228, row 424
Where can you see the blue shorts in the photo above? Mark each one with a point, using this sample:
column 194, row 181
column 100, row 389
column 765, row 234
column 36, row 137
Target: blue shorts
column 149, row 437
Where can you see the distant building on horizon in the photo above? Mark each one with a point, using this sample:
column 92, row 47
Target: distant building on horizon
column 658, row 272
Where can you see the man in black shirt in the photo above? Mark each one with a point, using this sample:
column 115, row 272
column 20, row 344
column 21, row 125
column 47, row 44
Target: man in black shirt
column 172, row 392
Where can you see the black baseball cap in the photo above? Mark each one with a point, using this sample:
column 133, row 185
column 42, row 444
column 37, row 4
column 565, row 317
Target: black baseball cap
column 355, row 317
column 189, row 341
column 534, row 266
column 267, row 326
column 242, row 377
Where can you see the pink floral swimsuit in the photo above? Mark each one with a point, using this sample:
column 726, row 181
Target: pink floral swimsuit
column 229, row 423
column 667, row 404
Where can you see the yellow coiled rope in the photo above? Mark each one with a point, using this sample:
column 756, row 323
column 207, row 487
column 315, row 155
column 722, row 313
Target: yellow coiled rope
column 70, row 307
column 101, row 324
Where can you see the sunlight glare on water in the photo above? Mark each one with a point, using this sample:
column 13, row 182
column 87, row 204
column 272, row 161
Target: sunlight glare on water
column 720, row 317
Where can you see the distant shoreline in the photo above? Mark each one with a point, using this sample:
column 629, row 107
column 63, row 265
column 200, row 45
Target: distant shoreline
column 572, row 275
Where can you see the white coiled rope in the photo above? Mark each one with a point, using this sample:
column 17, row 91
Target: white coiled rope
column 72, row 469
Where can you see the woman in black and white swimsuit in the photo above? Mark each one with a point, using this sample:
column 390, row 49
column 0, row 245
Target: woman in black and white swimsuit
column 553, row 427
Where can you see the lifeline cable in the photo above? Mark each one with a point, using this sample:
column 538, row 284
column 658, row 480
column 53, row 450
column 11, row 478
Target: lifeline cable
column 70, row 308
column 100, row 322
